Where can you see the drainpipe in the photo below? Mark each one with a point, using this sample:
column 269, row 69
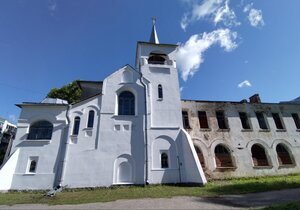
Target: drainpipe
column 146, row 131
column 63, row 167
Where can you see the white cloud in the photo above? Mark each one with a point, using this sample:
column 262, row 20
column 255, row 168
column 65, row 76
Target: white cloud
column 190, row 54
column 52, row 6
column 215, row 10
column 255, row 16
column 245, row 83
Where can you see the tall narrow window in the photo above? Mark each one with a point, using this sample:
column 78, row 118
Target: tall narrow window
column 160, row 92
column 283, row 155
column 296, row 120
column 244, row 120
column 40, row 130
column 76, row 125
column 259, row 156
column 223, row 157
column 203, row 119
column 91, row 119
column 126, row 104
column 185, row 120
column 261, row 120
column 277, row 121
column 221, row 120
column 164, row 160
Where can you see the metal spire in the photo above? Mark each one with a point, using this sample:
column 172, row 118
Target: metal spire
column 154, row 37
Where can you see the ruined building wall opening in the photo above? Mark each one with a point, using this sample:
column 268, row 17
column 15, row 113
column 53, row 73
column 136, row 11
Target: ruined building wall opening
column 259, row 156
column 223, row 157
column 283, row 155
column 200, row 156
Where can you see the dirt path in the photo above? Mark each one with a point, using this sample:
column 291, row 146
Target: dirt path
column 221, row 202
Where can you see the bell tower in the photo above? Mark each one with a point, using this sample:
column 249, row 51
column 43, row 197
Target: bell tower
column 157, row 64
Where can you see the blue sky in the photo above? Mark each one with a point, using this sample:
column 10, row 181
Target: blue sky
column 222, row 44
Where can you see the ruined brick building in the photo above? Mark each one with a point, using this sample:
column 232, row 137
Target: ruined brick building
column 246, row 138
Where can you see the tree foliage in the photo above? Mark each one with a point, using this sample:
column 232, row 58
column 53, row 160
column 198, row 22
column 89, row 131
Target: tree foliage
column 70, row 92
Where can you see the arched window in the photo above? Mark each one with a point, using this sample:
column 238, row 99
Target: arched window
column 157, row 58
column 259, row 155
column 223, row 157
column 160, row 92
column 164, row 160
column 283, row 155
column 40, row 130
column 91, row 119
column 126, row 103
column 200, row 156
column 76, row 125
column 32, row 166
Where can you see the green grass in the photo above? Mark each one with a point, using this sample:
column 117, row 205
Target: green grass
column 287, row 206
column 213, row 188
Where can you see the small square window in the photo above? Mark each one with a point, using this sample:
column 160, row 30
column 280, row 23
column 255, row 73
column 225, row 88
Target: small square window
column 32, row 165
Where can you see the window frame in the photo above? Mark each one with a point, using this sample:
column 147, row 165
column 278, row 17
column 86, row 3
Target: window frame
column 38, row 128
column 164, row 163
column 262, row 121
column 222, row 121
column 91, row 119
column 296, row 120
column 224, row 154
column 202, row 115
column 159, row 92
column 126, row 105
column 32, row 159
column 185, row 119
column 257, row 161
column 278, row 121
column 286, row 153
column 245, row 121
column 76, row 126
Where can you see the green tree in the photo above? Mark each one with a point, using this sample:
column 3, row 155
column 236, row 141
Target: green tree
column 70, row 92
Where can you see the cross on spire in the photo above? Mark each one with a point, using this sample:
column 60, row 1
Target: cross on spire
column 153, row 36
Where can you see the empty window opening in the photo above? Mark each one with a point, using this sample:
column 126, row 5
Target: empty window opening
column 40, row 130
column 126, row 101
column 32, row 164
column 221, row 120
column 283, row 155
column 296, row 120
column 203, row 119
column 160, row 92
column 223, row 157
column 244, row 120
column 261, row 120
column 259, row 156
column 164, row 160
column 185, row 120
column 91, row 119
column 76, row 125
column 277, row 121
column 200, row 156
column 156, row 58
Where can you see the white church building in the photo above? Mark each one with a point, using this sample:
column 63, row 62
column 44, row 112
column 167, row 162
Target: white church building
column 126, row 130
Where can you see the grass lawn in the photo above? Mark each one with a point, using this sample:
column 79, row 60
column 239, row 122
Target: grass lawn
column 288, row 206
column 213, row 188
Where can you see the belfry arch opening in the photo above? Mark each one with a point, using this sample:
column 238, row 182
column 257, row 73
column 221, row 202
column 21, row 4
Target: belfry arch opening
column 157, row 58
